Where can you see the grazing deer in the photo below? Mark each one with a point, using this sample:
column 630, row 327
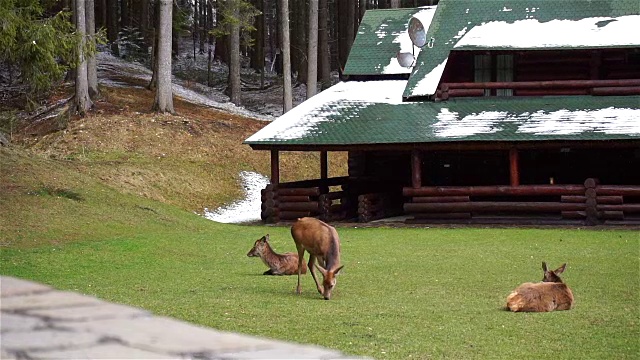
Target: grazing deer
column 548, row 295
column 279, row 264
column 322, row 243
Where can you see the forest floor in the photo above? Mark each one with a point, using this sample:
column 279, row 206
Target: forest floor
column 194, row 160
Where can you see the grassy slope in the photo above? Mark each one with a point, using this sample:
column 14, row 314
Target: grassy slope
column 97, row 209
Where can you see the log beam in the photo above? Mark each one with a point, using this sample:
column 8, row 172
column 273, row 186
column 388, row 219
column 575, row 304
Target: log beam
column 514, row 167
column 275, row 167
column 324, row 165
column 416, row 169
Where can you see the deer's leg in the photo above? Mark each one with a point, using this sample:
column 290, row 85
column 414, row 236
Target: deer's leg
column 312, row 260
column 300, row 264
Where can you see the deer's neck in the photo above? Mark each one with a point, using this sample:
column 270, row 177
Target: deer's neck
column 332, row 258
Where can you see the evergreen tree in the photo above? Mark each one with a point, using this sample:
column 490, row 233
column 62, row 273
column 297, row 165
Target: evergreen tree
column 38, row 48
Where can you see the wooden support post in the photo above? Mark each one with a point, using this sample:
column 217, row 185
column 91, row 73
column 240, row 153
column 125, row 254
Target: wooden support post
column 275, row 167
column 514, row 170
column 324, row 165
column 416, row 169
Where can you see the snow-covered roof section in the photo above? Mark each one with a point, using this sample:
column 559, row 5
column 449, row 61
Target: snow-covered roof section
column 381, row 36
column 520, row 25
column 372, row 112
column 323, row 107
column 590, row 32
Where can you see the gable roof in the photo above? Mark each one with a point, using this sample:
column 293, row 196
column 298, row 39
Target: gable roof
column 381, row 35
column 521, row 24
column 372, row 112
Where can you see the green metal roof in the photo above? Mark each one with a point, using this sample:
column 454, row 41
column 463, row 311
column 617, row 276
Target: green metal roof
column 371, row 112
column 382, row 33
column 521, row 24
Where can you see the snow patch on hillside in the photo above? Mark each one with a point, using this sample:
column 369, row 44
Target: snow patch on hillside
column 245, row 210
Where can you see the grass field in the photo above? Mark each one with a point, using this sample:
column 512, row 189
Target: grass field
column 106, row 207
column 405, row 293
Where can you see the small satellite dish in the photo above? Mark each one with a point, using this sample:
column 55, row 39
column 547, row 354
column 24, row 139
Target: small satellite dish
column 405, row 59
column 417, row 32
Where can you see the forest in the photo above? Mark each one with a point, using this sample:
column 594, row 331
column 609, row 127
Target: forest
column 44, row 44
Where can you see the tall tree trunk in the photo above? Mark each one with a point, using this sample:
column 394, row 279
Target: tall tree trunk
column 299, row 46
column 234, row 56
column 286, row 56
column 395, row 4
column 210, row 40
column 164, row 94
column 153, row 84
column 125, row 14
column 112, row 26
column 362, row 8
column 324, row 55
column 82, row 100
column 351, row 26
column 312, row 61
column 175, row 36
column 203, row 22
column 195, row 30
column 143, row 21
column 92, row 71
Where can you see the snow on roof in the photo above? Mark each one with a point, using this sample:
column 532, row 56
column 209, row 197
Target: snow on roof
column 425, row 15
column 429, row 83
column 532, row 34
column 304, row 117
column 560, row 122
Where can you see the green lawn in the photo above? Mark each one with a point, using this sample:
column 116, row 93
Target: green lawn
column 404, row 293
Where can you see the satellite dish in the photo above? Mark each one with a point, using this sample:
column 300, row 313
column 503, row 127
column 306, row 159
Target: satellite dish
column 419, row 25
column 417, row 32
column 405, row 59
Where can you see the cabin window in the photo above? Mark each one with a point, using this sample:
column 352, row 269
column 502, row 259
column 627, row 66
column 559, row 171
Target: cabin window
column 488, row 68
column 482, row 70
column 504, row 72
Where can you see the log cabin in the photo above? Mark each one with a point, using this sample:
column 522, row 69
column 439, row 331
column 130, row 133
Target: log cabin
column 475, row 112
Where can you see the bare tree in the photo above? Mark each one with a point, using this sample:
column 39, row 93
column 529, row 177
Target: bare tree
column 234, row 55
column 92, row 71
column 324, row 57
column 312, row 62
column 395, row 4
column 286, row 56
column 164, row 95
column 82, row 100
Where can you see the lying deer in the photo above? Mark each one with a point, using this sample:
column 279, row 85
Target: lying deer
column 548, row 295
column 322, row 243
column 279, row 264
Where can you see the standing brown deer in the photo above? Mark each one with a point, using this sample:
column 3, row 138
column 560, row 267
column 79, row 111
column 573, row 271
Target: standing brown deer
column 548, row 295
column 279, row 264
column 321, row 241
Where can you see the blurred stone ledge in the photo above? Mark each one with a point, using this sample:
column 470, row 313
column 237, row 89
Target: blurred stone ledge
column 39, row 322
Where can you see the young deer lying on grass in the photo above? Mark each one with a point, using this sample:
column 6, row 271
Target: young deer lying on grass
column 279, row 264
column 548, row 295
column 321, row 241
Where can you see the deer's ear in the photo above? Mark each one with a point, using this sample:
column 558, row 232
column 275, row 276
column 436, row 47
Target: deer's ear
column 544, row 266
column 337, row 272
column 266, row 237
column 321, row 269
column 561, row 269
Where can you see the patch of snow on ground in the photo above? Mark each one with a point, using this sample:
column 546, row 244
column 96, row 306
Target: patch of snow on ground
column 203, row 96
column 245, row 210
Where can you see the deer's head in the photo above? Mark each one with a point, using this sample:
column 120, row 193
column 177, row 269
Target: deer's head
column 552, row 275
column 329, row 281
column 259, row 246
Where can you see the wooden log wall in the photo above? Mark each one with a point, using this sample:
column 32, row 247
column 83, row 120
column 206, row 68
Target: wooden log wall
column 293, row 200
column 590, row 203
column 539, row 88
column 374, row 206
